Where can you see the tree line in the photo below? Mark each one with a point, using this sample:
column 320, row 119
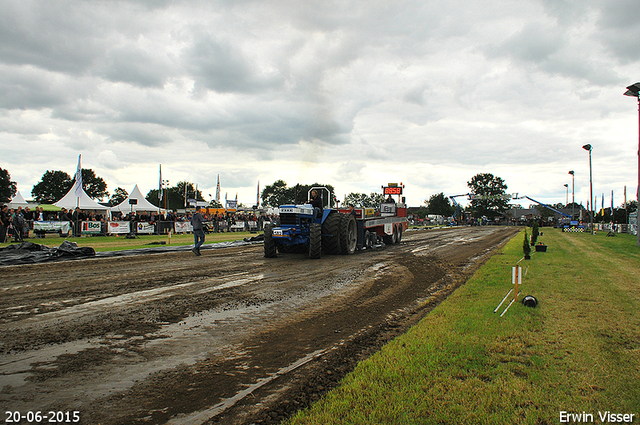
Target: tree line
column 490, row 200
column 279, row 193
column 54, row 184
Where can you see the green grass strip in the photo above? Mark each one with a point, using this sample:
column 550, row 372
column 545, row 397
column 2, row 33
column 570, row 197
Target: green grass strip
column 118, row 243
column 577, row 352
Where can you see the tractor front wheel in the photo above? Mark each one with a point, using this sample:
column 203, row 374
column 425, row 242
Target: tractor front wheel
column 269, row 243
column 315, row 240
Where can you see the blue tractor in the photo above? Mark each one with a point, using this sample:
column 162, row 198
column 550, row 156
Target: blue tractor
column 305, row 229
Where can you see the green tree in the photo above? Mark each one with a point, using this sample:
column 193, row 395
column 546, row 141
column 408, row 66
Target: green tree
column 55, row 184
column 119, row 195
column 621, row 214
column 153, row 198
column 526, row 247
column 278, row 194
column 175, row 196
column 545, row 213
column 93, row 185
column 362, row 200
column 440, row 204
column 186, row 190
column 8, row 189
column 52, row 187
column 488, row 195
column 420, row 212
column 301, row 193
column 534, row 232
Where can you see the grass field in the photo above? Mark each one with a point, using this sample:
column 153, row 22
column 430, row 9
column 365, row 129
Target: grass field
column 115, row 243
column 576, row 353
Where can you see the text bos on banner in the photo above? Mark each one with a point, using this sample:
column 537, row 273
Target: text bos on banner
column 145, row 228
column 118, row 227
column 91, row 227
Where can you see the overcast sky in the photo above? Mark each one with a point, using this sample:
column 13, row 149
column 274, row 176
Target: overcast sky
column 355, row 94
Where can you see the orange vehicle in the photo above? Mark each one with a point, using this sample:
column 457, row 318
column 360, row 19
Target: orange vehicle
column 388, row 223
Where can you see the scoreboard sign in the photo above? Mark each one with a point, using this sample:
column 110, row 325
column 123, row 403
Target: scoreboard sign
column 393, row 189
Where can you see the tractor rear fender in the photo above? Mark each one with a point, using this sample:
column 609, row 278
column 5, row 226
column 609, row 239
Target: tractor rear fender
column 325, row 214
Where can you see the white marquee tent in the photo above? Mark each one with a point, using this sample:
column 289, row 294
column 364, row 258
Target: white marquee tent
column 141, row 203
column 18, row 201
column 70, row 200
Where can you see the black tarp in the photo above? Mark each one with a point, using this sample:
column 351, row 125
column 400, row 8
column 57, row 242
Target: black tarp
column 31, row 253
column 172, row 248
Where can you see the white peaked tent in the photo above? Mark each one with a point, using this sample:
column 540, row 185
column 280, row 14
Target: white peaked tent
column 18, row 201
column 70, row 200
column 142, row 204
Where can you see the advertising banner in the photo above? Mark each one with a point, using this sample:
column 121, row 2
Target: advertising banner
column 238, row 226
column 183, row 227
column 118, row 227
column 52, row 226
column 145, row 228
column 91, row 227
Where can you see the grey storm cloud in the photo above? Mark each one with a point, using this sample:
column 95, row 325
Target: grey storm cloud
column 356, row 86
column 55, row 36
column 221, row 66
column 26, row 87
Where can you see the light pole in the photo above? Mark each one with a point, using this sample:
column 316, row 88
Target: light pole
column 634, row 91
column 589, row 148
column 566, row 195
column 165, row 185
column 573, row 194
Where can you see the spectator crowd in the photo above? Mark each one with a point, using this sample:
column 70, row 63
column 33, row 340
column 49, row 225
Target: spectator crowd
column 18, row 222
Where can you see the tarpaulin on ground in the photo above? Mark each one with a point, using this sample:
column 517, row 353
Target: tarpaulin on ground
column 172, row 248
column 31, row 253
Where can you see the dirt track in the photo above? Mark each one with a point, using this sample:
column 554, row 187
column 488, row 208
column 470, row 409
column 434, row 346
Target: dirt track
column 228, row 337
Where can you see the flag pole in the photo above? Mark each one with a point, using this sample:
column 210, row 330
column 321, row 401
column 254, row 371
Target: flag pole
column 78, row 193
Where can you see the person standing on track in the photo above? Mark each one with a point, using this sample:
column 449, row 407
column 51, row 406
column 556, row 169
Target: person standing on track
column 198, row 231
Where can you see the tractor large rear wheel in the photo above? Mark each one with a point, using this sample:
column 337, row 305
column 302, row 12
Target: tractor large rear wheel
column 331, row 232
column 269, row 243
column 348, row 234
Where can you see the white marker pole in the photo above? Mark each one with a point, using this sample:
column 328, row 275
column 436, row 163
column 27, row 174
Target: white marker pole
column 503, row 300
column 512, row 301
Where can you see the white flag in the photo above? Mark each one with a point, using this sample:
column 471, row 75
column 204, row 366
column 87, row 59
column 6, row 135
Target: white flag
column 78, row 183
column 160, row 184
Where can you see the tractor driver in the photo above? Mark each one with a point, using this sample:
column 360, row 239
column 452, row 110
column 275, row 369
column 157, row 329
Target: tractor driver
column 316, row 203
